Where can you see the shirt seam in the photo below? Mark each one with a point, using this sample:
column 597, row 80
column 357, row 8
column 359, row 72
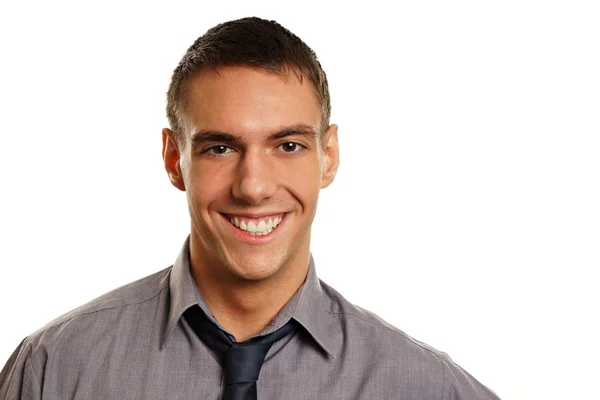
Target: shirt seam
column 51, row 360
column 444, row 381
column 404, row 335
column 83, row 314
column 37, row 380
column 26, row 345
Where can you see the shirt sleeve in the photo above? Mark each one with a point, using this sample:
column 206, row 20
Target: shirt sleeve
column 460, row 385
column 18, row 380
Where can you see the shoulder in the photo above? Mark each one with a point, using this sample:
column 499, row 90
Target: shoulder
column 369, row 328
column 102, row 313
column 129, row 314
column 399, row 359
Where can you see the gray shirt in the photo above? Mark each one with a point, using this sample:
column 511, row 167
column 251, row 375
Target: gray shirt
column 132, row 343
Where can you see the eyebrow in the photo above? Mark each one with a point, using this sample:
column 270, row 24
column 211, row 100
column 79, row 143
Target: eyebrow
column 210, row 135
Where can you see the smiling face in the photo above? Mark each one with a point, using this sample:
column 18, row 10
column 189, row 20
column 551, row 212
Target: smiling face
column 252, row 166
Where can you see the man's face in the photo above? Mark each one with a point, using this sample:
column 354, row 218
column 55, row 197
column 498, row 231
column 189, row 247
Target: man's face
column 252, row 166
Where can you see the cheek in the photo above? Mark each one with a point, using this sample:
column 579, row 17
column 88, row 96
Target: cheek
column 204, row 185
column 305, row 185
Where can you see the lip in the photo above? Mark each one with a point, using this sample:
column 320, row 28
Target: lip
column 247, row 238
column 256, row 216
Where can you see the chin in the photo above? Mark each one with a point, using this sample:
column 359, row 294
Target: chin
column 256, row 270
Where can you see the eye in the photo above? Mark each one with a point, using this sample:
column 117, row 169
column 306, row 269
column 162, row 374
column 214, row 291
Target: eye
column 217, row 150
column 291, row 147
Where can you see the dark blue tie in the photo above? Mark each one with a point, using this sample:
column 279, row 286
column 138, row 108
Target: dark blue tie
column 241, row 361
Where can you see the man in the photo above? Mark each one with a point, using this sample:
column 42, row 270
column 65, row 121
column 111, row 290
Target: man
column 241, row 313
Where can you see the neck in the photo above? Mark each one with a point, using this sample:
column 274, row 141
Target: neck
column 246, row 307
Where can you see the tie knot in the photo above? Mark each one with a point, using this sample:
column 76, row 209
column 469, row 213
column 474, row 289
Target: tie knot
column 243, row 361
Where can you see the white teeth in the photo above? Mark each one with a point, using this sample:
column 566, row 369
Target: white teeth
column 261, row 233
column 262, row 228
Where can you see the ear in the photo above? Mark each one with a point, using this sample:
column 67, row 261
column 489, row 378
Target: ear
column 171, row 158
column 331, row 157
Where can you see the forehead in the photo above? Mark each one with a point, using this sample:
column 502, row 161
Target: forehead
column 250, row 101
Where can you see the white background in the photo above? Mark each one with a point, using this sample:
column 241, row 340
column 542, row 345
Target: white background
column 465, row 210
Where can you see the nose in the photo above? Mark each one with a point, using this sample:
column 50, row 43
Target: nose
column 255, row 179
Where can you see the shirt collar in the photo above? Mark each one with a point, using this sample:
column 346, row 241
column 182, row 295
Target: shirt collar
column 182, row 290
column 306, row 306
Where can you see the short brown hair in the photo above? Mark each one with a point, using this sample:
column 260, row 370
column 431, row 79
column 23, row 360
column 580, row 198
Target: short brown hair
column 251, row 42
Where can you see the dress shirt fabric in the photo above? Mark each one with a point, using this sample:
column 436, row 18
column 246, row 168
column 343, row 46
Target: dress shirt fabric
column 132, row 343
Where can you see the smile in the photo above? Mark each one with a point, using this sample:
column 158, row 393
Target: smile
column 258, row 226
